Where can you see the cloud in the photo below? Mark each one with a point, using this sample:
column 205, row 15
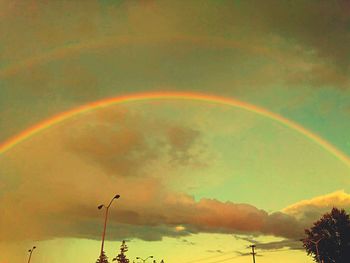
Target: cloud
column 283, row 244
column 180, row 228
column 125, row 144
column 181, row 141
column 301, row 23
column 51, row 185
column 233, row 49
column 291, row 244
column 187, row 242
column 55, row 181
column 152, row 218
column 311, row 209
column 161, row 219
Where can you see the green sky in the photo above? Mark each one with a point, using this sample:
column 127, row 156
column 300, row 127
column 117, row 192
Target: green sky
column 199, row 181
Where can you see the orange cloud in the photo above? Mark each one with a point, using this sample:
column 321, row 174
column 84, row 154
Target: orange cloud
column 54, row 182
column 319, row 205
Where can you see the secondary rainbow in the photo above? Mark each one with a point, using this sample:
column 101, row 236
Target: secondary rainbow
column 24, row 135
column 74, row 49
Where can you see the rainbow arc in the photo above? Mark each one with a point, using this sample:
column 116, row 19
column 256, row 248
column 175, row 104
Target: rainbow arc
column 46, row 124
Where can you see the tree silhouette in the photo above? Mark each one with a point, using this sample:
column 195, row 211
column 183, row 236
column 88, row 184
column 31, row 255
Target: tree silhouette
column 121, row 258
column 103, row 258
column 328, row 240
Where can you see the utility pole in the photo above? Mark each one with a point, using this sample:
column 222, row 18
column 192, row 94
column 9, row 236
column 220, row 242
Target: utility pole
column 253, row 252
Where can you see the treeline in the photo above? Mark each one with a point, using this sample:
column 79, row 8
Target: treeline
column 121, row 257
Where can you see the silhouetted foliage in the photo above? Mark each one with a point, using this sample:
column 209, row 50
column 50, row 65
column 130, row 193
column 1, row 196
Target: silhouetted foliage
column 103, row 258
column 332, row 235
column 121, row 258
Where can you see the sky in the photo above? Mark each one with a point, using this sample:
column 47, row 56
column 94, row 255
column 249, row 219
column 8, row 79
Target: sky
column 256, row 162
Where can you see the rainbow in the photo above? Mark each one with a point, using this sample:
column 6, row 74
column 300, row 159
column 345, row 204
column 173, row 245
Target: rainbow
column 46, row 124
column 74, row 49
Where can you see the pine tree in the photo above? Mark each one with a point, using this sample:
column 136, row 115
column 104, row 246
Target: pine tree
column 121, row 258
column 103, row 258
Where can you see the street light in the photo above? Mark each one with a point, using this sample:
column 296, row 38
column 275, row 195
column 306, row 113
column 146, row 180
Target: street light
column 144, row 260
column 30, row 253
column 106, row 214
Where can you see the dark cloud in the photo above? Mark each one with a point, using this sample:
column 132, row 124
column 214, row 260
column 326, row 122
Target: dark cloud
column 181, row 141
column 324, row 27
column 284, row 244
column 125, row 143
column 281, row 224
column 319, row 26
column 188, row 242
column 290, row 244
column 228, row 48
column 315, row 32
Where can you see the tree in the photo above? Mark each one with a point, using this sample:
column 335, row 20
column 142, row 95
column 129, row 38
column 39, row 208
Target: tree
column 328, row 240
column 103, row 258
column 121, row 258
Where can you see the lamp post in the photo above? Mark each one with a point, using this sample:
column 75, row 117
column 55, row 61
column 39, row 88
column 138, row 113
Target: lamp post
column 144, row 260
column 105, row 223
column 316, row 244
column 30, row 253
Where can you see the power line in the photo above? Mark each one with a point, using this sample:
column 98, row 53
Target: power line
column 226, row 259
column 253, row 253
column 275, row 250
column 207, row 258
